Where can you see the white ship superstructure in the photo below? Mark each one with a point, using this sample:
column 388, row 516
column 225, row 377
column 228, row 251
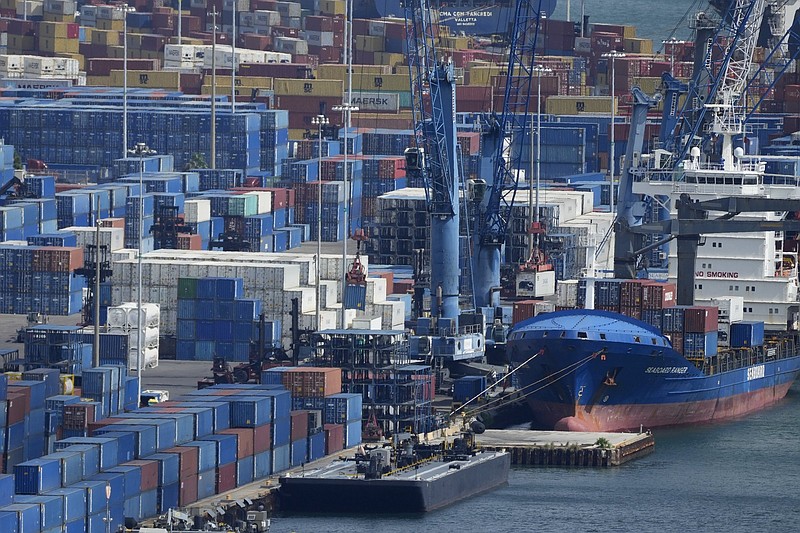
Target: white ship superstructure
column 751, row 265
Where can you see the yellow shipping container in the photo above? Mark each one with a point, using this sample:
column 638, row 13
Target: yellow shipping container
column 286, row 87
column 332, row 7
column 53, row 29
column 261, row 82
column 297, row 134
column 629, row 32
column 339, row 72
column 58, row 46
column 106, row 37
column 107, row 24
column 118, row 52
column 98, row 81
column 79, row 58
column 369, row 43
column 456, row 43
column 225, row 90
column 383, row 82
column 574, row 105
column 482, row 75
column 164, row 79
column 390, row 60
column 14, row 376
column 638, row 46
column 56, row 17
column 18, row 44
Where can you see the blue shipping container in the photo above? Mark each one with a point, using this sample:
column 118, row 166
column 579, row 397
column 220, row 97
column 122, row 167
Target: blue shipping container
column 747, row 333
column 37, row 476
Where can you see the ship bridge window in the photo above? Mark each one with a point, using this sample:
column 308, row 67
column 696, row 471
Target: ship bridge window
column 653, row 340
column 603, row 336
column 637, row 339
column 583, row 335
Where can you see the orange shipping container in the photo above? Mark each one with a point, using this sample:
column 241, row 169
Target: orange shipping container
column 112, row 223
column 313, row 382
column 57, row 259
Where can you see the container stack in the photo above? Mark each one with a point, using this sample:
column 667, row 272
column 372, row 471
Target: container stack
column 381, row 175
column 61, row 347
column 25, row 439
column 215, row 320
column 126, row 319
column 166, row 125
column 39, row 279
column 106, row 385
column 731, row 309
column 135, row 208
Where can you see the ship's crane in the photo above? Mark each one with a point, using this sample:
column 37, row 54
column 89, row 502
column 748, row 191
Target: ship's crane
column 714, row 108
column 500, row 190
column 447, row 335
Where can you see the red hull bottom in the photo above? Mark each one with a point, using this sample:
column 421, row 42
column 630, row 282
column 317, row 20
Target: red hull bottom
column 564, row 417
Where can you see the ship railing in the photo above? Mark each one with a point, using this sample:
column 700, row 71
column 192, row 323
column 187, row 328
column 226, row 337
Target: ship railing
column 412, row 466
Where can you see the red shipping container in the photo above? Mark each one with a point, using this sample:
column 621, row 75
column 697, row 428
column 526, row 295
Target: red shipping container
column 299, row 421
column 190, row 241
column 149, row 471
column 701, row 319
column 262, row 439
column 17, row 407
column 245, row 440
column 634, row 311
column 677, row 342
column 523, row 310
column 334, row 438
column 403, row 286
column 254, row 41
column 91, row 427
column 630, row 293
column 320, row 23
column 72, row 31
column 78, row 415
column 112, row 223
column 188, row 460
column 188, row 490
column 313, row 382
column 658, row 295
column 226, row 478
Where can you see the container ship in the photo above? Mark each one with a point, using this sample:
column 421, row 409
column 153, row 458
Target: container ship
column 634, row 358
column 470, row 17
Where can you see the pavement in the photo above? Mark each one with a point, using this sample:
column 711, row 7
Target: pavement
column 178, row 377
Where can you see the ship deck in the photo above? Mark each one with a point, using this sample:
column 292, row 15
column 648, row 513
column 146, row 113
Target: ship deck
column 423, row 472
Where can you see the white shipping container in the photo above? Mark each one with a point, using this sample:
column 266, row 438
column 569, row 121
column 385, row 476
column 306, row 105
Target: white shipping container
column 112, row 238
column 30, row 8
column 60, row 7
column 567, row 293
column 291, row 45
column 327, row 320
column 319, row 38
column 195, row 211
column 288, row 9
column 328, row 292
column 264, row 201
column 731, row 308
column 376, row 290
column 12, row 63
column 367, row 322
column 377, row 28
column 149, row 359
column 265, row 17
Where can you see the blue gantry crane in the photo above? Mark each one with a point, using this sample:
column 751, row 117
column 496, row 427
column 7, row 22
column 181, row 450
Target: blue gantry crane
column 495, row 204
column 447, row 334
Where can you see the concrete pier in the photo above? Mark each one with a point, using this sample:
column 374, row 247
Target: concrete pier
column 566, row 448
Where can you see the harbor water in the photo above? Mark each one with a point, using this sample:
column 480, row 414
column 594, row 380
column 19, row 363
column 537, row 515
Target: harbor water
column 653, row 19
column 734, row 476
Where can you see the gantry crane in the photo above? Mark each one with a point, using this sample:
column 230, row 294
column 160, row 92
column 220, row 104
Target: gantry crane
column 447, row 335
column 494, row 212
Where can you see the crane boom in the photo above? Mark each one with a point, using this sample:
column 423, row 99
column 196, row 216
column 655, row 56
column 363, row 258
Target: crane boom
column 495, row 209
column 434, row 154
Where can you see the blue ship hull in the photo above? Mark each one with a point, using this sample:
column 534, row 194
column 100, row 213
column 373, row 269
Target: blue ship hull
column 472, row 17
column 601, row 371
